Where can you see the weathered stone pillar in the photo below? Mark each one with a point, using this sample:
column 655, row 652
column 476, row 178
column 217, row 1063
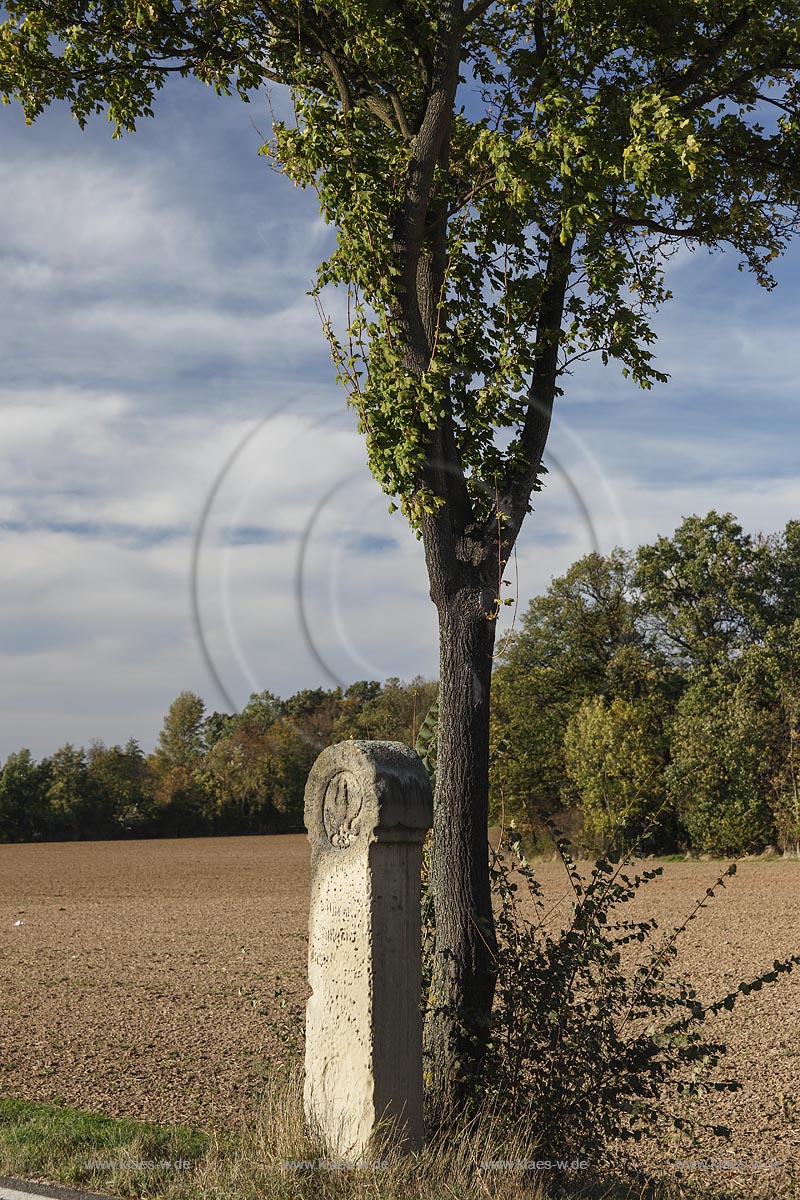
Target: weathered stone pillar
column 367, row 807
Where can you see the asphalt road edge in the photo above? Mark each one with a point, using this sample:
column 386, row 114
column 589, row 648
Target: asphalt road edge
column 23, row 1189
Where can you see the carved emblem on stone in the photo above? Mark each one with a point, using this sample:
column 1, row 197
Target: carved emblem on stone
column 341, row 810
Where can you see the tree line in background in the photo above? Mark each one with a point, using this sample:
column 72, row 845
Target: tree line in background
column 658, row 689
column 209, row 774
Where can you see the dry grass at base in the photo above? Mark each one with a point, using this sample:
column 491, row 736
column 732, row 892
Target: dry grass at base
column 277, row 1160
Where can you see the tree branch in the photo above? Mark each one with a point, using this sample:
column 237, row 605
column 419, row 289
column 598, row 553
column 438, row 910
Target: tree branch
column 679, row 84
column 621, row 221
column 339, row 80
column 787, row 108
column 383, row 110
column 727, row 90
column 517, row 487
column 412, row 214
column 474, row 12
column 399, row 112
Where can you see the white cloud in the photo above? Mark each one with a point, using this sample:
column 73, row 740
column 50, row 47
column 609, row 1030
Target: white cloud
column 96, row 224
column 152, row 308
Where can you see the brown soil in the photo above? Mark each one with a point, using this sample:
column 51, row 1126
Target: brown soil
column 142, row 981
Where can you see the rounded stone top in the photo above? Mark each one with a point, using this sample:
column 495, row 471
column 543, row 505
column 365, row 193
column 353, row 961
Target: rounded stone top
column 360, row 791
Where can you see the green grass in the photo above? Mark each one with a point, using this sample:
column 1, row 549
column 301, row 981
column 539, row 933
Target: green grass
column 48, row 1142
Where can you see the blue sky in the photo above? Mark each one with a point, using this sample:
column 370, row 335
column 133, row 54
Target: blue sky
column 165, row 376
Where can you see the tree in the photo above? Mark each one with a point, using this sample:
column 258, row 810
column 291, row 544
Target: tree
column 70, row 795
column 119, row 782
column 704, row 587
column 615, row 756
column 312, row 713
column 559, row 657
column 181, row 802
column 181, row 741
column 484, row 254
column 24, row 812
column 240, row 776
column 363, row 690
column 393, row 713
column 217, row 726
column 291, row 750
column 783, row 566
column 178, row 789
column 720, row 768
column 770, row 681
column 261, row 711
column 350, row 707
column 786, row 777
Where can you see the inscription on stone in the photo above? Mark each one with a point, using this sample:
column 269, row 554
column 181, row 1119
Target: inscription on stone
column 333, row 927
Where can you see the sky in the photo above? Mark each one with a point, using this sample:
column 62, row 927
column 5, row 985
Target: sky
column 184, row 498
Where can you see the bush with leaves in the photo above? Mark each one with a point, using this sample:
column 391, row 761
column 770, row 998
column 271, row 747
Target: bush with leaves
column 588, row 1050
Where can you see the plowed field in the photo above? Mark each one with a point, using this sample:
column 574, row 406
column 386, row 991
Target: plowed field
column 148, row 979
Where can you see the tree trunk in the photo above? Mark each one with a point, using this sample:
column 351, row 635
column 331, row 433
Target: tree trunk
column 460, row 1003
column 465, row 556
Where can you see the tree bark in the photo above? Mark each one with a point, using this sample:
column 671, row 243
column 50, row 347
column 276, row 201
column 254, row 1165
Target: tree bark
column 463, row 556
column 460, row 1002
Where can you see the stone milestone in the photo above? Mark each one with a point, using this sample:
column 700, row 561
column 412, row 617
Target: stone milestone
column 368, row 806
